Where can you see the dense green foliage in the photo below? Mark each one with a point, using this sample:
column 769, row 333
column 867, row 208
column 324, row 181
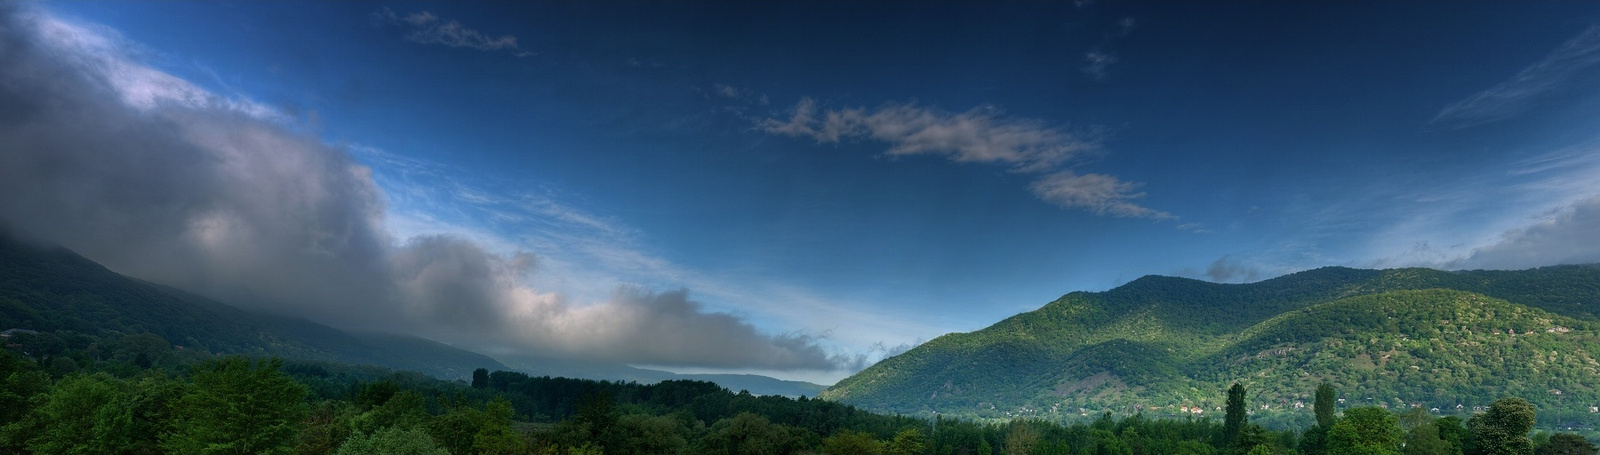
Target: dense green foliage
column 1160, row 346
column 244, row 405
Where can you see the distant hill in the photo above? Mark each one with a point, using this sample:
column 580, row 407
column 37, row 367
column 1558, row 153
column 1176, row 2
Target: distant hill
column 756, row 384
column 1166, row 346
column 53, row 289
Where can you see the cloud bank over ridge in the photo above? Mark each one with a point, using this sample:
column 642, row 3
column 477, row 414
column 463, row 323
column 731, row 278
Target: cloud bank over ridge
column 160, row 179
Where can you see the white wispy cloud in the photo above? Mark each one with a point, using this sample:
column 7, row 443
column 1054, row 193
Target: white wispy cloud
column 1512, row 97
column 427, row 28
column 104, row 51
column 1096, row 62
column 981, row 135
column 1098, row 193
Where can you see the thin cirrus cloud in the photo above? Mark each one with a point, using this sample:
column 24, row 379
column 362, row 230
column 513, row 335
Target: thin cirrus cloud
column 156, row 178
column 427, row 28
column 980, row 135
column 1095, row 64
column 1515, row 96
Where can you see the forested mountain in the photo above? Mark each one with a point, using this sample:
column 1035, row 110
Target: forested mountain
column 56, row 291
column 65, row 296
column 1163, row 345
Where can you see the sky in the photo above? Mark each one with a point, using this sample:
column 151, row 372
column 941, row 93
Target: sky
column 795, row 189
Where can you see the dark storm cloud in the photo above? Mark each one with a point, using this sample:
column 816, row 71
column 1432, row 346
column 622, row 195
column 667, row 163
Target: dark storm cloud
column 162, row 180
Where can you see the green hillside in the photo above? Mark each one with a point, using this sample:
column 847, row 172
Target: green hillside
column 54, row 290
column 1166, row 346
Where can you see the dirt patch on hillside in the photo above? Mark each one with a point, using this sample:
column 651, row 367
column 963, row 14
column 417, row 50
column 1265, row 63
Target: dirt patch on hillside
column 1090, row 384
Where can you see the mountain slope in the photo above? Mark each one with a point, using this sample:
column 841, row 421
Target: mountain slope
column 53, row 289
column 1162, row 344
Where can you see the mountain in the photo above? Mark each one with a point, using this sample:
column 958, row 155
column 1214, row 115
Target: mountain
column 52, row 289
column 1170, row 346
column 756, row 384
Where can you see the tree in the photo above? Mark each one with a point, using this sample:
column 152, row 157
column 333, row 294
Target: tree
column 20, row 381
column 849, row 442
column 238, row 406
column 78, row 417
column 1568, row 444
column 747, row 434
column 1365, row 431
column 480, row 378
column 391, row 441
column 907, row 442
column 1415, row 417
column 1503, row 429
column 649, row 435
column 495, row 435
column 1424, row 440
column 596, row 421
column 1233, row 423
column 1323, row 406
column 455, row 429
column 1452, row 431
column 1314, row 441
column 1021, row 438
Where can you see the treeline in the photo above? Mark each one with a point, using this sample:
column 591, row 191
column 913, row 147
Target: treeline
column 137, row 395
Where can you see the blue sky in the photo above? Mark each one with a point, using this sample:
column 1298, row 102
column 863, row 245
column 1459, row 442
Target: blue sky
column 856, row 177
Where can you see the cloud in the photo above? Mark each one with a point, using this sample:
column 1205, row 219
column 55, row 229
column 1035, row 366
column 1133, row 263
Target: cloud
column 158, row 179
column 981, row 135
column 426, row 28
column 1095, row 64
column 740, row 94
column 1098, row 193
column 1570, row 235
column 1515, row 96
column 1227, row 269
column 1100, row 58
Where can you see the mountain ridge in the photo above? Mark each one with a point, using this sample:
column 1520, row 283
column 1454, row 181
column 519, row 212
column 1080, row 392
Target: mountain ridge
column 51, row 288
column 1160, row 342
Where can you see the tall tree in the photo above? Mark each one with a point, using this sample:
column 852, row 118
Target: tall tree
column 1503, row 429
column 238, row 406
column 1366, row 430
column 480, row 378
column 1323, row 406
column 1234, row 421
